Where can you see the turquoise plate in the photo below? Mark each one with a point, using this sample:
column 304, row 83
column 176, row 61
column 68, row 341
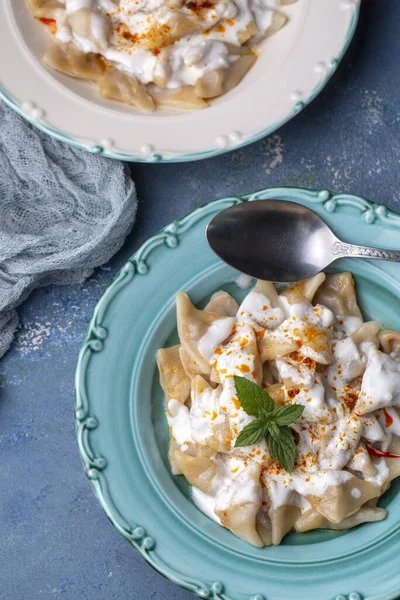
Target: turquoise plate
column 122, row 431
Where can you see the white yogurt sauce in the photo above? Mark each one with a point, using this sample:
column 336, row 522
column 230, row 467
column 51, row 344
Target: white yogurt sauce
column 257, row 308
column 345, row 326
column 234, row 484
column 381, row 383
column 243, row 281
column 204, row 412
column 215, row 335
column 310, row 391
column 182, row 63
column 331, row 436
column 205, row 503
column 381, row 475
column 179, row 422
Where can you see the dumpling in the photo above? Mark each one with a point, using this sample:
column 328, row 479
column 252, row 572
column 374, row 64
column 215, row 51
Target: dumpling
column 261, row 306
column 389, row 341
column 303, row 385
column 222, row 303
column 238, row 357
column 312, row 519
column 380, row 384
column 91, row 26
column 306, row 328
column 238, row 505
column 126, row 88
column 198, row 470
column 361, row 462
column 305, row 290
column 200, row 331
column 338, row 293
column 68, row 59
column 340, row 501
column 209, row 424
column 173, row 379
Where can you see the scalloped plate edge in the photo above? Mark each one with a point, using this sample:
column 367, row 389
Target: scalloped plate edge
column 94, row 341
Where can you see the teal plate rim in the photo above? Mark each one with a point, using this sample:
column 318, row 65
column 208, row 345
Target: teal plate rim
column 95, row 465
column 159, row 158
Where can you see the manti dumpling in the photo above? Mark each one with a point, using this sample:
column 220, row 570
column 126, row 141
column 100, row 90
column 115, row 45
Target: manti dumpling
column 306, row 345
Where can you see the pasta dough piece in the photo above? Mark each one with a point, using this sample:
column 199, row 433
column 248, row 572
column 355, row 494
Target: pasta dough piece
column 366, row 333
column 268, row 376
column 120, row 86
column 209, row 425
column 361, row 462
column 315, row 520
column 303, row 385
column 237, row 71
column 210, row 85
column 173, row 447
column 190, row 366
column 173, row 379
column 223, row 303
column 237, row 508
column 277, row 393
column 272, row 526
column 390, row 341
column 264, row 527
column 311, row 342
column 277, row 519
column 184, row 97
column 194, row 324
column 380, row 386
column 68, row 59
column 249, row 31
column 393, row 464
column 305, row 330
column 305, row 290
column 273, row 347
column 238, row 357
column 278, row 20
column 44, row 8
column 341, row 501
column 338, row 293
column 174, row 25
column 261, row 307
column 282, row 521
column 340, row 441
column 91, row 26
column 198, row 470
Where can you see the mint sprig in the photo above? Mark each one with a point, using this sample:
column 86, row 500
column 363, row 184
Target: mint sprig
column 271, row 423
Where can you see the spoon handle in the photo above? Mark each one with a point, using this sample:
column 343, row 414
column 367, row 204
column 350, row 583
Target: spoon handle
column 341, row 250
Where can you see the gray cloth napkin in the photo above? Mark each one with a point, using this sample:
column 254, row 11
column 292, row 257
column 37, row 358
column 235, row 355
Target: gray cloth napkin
column 63, row 212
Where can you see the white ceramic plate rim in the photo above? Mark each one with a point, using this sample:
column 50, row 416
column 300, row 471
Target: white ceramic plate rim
column 321, row 33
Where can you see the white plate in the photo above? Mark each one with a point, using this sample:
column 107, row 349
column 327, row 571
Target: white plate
column 294, row 67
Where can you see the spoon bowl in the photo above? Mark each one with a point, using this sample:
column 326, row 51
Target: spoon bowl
column 280, row 241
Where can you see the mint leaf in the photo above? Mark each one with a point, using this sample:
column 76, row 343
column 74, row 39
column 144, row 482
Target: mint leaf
column 272, row 428
column 273, row 423
column 286, row 415
column 282, row 446
column 250, row 434
column 252, row 397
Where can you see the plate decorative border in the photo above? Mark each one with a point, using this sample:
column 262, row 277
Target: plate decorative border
column 138, row 266
column 232, row 141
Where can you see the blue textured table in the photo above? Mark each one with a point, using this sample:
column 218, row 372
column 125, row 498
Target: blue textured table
column 55, row 542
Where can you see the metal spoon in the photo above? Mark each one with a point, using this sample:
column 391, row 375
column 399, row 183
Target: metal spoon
column 282, row 241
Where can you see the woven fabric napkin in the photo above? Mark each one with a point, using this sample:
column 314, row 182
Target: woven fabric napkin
column 63, row 212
